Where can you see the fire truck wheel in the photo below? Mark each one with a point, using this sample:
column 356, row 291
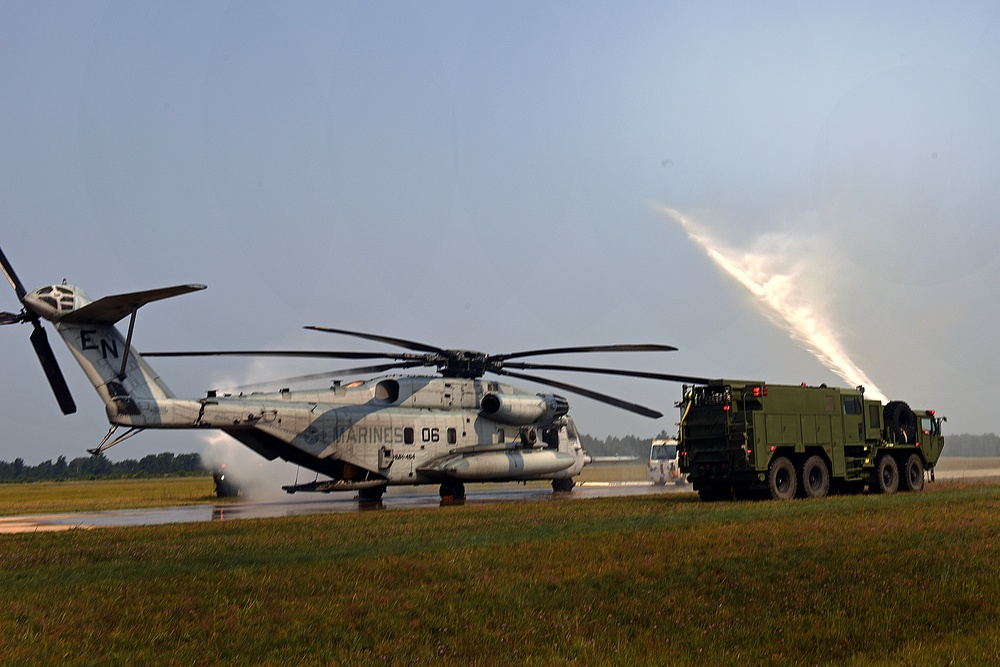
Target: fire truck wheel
column 781, row 479
column 815, row 477
column 886, row 474
column 913, row 474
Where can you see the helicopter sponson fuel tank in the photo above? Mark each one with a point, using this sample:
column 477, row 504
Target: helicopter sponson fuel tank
column 500, row 465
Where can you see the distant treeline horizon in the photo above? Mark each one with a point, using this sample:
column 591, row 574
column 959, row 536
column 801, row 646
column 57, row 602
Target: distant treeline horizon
column 967, row 444
column 101, row 467
column 177, row 465
column 962, row 444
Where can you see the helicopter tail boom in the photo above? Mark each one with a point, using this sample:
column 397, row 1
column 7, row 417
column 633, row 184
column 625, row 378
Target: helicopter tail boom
column 133, row 393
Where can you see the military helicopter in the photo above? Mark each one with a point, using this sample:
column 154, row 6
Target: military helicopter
column 449, row 429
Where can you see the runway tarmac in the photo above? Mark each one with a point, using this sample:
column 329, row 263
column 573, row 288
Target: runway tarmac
column 316, row 503
column 396, row 498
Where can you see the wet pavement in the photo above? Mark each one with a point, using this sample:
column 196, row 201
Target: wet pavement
column 395, row 498
column 312, row 503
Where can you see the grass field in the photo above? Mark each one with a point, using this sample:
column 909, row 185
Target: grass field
column 100, row 495
column 908, row 579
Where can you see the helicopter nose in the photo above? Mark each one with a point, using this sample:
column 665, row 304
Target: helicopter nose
column 51, row 302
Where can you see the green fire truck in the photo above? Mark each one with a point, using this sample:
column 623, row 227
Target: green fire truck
column 741, row 439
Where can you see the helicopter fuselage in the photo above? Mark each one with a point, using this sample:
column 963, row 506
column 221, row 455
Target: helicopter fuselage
column 394, row 430
column 366, row 435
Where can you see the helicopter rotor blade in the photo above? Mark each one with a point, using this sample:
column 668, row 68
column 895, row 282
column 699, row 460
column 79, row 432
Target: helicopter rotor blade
column 308, row 354
column 328, row 374
column 39, row 340
column 12, row 318
column 51, row 367
column 667, row 377
column 446, row 359
column 603, row 398
column 15, row 282
column 398, row 342
column 587, row 348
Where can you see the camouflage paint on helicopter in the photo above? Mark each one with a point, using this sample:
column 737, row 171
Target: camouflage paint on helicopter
column 366, row 435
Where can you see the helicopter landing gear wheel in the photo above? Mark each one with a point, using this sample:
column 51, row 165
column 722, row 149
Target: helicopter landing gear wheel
column 452, row 490
column 563, row 485
column 372, row 495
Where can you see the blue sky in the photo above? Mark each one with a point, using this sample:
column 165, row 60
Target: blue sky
column 492, row 176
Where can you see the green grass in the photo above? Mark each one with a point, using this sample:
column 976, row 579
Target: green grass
column 100, row 495
column 909, row 579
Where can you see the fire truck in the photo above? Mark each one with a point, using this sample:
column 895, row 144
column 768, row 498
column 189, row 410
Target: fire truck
column 663, row 466
column 740, row 439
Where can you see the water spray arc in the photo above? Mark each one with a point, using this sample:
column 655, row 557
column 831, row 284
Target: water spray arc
column 776, row 280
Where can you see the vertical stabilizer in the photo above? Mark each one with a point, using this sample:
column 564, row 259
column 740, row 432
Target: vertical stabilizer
column 102, row 352
column 132, row 391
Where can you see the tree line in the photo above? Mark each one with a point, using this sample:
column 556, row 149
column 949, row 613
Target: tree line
column 629, row 445
column 966, row 444
column 101, row 467
column 961, row 444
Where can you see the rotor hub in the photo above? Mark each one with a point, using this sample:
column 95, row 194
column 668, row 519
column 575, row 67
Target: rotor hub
column 468, row 364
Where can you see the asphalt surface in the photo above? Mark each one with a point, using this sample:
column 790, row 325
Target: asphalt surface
column 395, row 498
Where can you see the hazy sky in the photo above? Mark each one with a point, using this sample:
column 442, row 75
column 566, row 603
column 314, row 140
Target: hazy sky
column 494, row 176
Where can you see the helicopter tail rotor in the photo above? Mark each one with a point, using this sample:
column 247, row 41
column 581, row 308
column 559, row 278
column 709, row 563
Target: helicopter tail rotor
column 39, row 340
